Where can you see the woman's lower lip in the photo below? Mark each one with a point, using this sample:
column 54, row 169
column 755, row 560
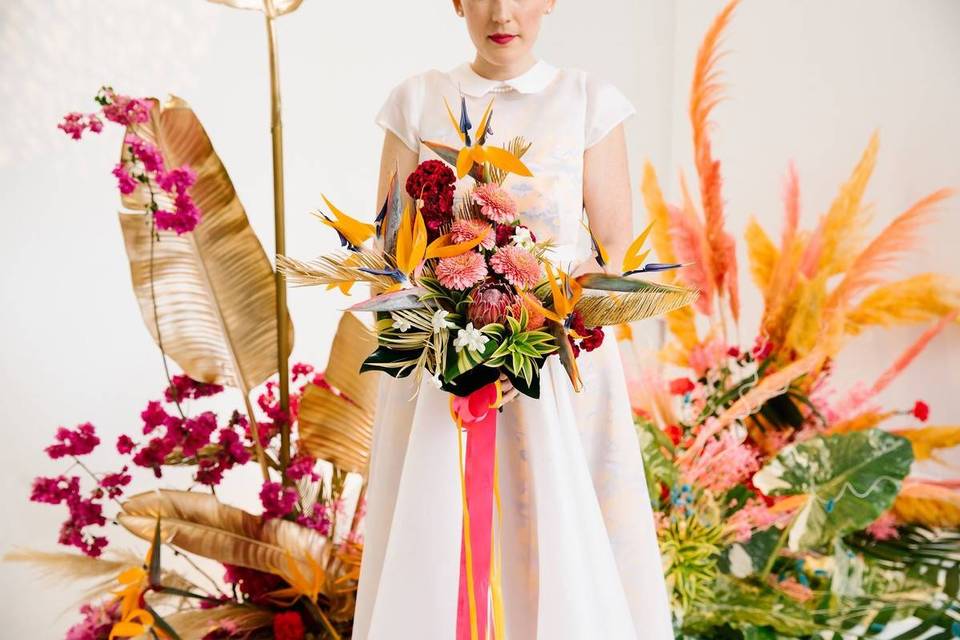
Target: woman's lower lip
column 502, row 39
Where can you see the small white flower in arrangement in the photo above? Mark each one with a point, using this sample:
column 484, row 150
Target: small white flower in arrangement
column 400, row 323
column 437, row 380
column 471, row 338
column 522, row 238
column 440, row 321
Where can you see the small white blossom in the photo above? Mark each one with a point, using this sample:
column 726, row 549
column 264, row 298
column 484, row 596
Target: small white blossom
column 440, row 321
column 400, row 323
column 522, row 238
column 436, row 380
column 471, row 338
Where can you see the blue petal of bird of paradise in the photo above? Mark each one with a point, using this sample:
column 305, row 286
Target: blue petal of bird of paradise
column 465, row 124
column 652, row 267
column 393, row 273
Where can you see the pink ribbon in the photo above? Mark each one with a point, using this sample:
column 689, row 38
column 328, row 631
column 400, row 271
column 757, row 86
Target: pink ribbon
column 478, row 416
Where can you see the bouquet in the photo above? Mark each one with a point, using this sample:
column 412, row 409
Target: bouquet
column 467, row 292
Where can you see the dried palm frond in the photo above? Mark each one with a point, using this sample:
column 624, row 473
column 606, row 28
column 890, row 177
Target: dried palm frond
column 199, row 523
column 838, row 235
column 194, row 624
column 910, row 353
column 762, row 253
column 339, row 428
column 631, row 306
column 214, row 287
column 926, row 440
column 913, row 300
column 928, row 504
column 689, row 244
column 861, row 422
column 705, row 93
column 803, row 326
column 60, row 565
column 681, row 322
column 884, row 250
column 335, row 268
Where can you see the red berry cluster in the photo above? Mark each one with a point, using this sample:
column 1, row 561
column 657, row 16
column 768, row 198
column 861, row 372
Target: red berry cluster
column 593, row 336
column 433, row 182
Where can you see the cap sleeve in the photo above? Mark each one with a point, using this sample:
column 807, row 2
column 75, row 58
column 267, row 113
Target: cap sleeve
column 606, row 108
column 400, row 112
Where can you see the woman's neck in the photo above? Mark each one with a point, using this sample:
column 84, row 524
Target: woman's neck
column 503, row 72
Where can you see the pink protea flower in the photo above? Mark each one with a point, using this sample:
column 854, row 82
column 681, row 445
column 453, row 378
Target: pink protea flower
column 491, row 302
column 495, row 203
column 462, row 271
column 518, row 266
column 467, row 229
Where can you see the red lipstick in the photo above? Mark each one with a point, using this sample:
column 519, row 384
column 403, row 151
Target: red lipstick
column 502, row 38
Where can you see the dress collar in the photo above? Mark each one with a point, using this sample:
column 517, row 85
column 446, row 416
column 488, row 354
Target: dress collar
column 534, row 79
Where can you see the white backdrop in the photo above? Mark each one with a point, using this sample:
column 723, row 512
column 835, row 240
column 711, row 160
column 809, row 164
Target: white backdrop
column 808, row 81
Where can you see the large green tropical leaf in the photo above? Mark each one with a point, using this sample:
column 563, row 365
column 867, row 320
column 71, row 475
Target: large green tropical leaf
column 850, row 480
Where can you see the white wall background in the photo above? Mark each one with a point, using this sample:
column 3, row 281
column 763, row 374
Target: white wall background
column 807, row 80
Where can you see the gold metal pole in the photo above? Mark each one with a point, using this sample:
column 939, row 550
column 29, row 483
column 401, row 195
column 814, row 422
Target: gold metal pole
column 276, row 131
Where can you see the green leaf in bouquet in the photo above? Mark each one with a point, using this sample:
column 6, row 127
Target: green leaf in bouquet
column 459, row 362
column 395, row 362
column 744, row 559
column 531, row 388
column 850, row 480
column 467, row 383
column 744, row 605
column 656, row 466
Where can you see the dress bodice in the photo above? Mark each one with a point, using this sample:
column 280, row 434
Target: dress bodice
column 560, row 111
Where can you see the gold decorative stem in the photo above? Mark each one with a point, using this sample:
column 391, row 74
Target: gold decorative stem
column 283, row 338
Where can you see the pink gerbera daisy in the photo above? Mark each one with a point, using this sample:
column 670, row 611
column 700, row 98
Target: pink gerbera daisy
column 462, row 271
column 517, row 265
column 495, row 203
column 468, row 229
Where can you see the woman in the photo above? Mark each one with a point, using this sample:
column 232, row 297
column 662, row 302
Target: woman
column 580, row 558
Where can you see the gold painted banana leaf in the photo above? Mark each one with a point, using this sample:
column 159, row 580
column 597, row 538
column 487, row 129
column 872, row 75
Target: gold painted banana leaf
column 332, row 427
column 214, row 288
column 199, row 523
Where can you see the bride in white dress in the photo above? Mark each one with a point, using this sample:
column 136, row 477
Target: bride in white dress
column 580, row 558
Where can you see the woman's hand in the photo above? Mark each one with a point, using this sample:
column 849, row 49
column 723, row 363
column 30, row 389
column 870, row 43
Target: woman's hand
column 507, row 389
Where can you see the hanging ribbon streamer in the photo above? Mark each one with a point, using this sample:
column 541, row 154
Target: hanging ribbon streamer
column 479, row 561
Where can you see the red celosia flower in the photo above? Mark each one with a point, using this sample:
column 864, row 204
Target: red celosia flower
column 681, row 386
column 733, row 352
column 74, row 443
column 674, row 432
column 288, row 626
column 254, row 585
column 921, row 411
column 433, row 182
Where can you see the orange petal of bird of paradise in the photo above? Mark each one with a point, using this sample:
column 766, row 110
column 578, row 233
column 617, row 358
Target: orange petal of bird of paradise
column 300, row 585
column 563, row 302
column 355, row 231
column 411, row 241
column 443, row 247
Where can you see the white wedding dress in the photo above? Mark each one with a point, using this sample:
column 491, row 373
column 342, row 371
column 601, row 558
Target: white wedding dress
column 580, row 556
